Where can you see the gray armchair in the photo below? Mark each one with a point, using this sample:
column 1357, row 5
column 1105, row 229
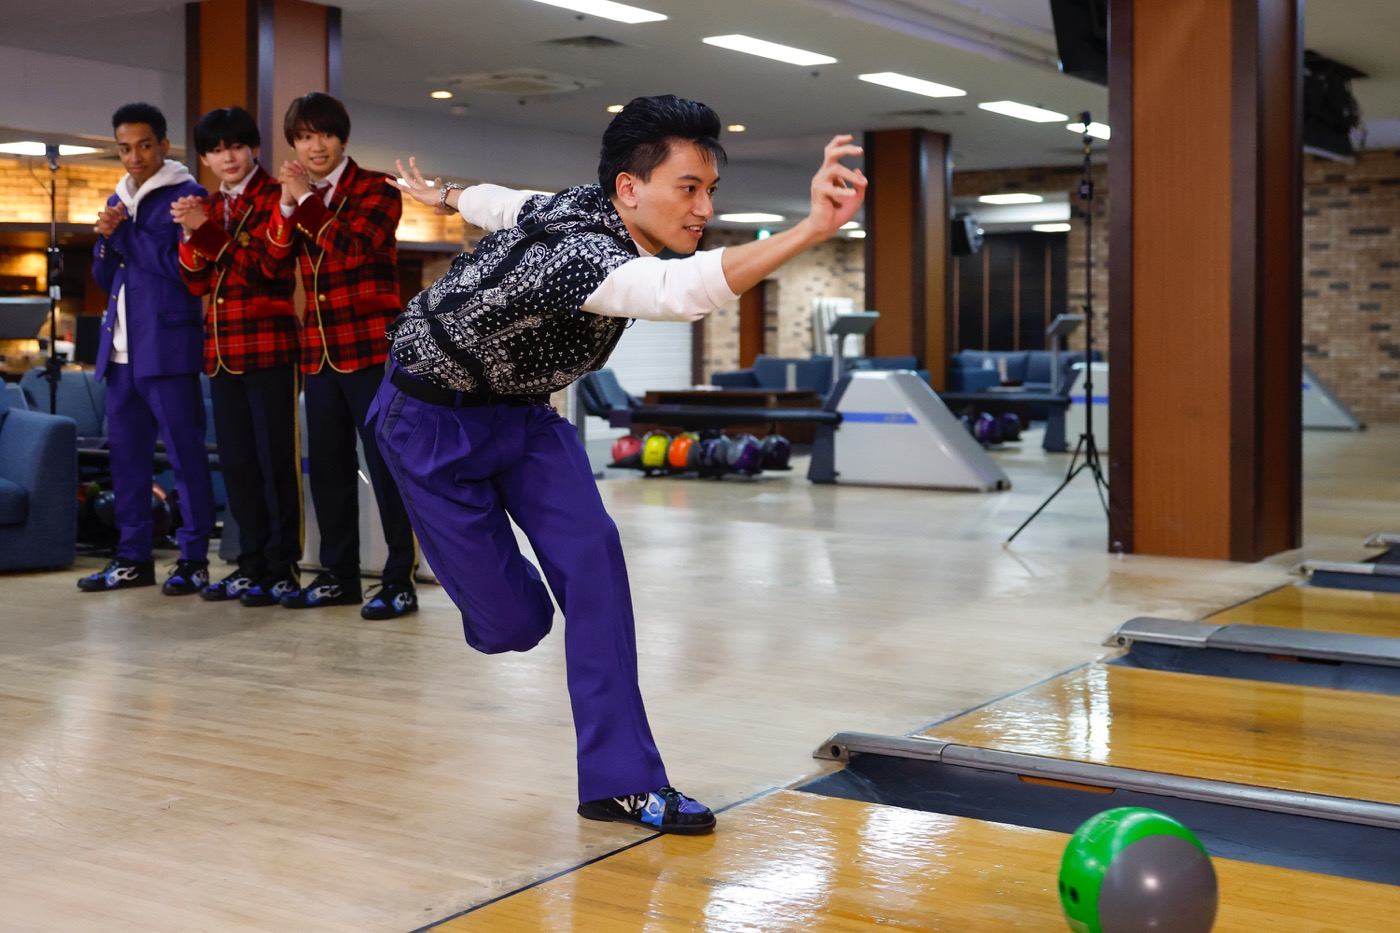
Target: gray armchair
column 38, row 489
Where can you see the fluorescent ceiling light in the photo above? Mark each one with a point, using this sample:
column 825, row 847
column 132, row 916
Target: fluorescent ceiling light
column 615, row 108
column 1019, row 198
column 736, row 127
column 851, row 225
column 32, row 148
column 441, row 95
column 1010, row 108
column 913, row 85
column 1051, row 228
column 619, row 12
column 754, row 218
column 856, row 234
column 779, row 53
column 1097, row 130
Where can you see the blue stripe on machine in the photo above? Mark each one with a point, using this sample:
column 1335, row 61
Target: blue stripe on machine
column 879, row 417
column 1098, row 399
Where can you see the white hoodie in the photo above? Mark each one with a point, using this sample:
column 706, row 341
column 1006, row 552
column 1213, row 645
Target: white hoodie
column 171, row 173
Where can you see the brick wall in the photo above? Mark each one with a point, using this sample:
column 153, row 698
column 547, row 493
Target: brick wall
column 834, row 269
column 1351, row 280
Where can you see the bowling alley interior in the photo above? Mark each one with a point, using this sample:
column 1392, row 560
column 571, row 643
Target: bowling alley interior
column 1021, row 555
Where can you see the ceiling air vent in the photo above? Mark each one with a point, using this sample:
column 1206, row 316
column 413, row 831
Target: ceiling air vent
column 585, row 42
column 518, row 82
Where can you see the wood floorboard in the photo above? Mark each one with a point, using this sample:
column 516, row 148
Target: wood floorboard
column 796, row 862
column 1310, row 739
column 171, row 765
column 1319, row 609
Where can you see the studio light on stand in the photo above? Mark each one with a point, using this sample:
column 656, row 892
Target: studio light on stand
column 1086, row 444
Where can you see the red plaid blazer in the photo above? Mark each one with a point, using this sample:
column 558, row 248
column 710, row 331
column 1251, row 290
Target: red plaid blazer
column 249, row 319
column 349, row 269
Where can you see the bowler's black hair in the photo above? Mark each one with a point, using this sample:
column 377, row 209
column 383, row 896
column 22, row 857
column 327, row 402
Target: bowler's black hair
column 141, row 113
column 317, row 113
column 639, row 138
column 227, row 126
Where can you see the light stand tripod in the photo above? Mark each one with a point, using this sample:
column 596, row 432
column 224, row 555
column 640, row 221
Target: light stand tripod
column 1086, row 443
column 53, row 366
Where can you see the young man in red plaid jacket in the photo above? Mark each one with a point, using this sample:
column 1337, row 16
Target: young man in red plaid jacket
column 250, row 354
column 339, row 220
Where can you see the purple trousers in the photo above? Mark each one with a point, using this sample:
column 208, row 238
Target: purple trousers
column 464, row 473
column 139, row 410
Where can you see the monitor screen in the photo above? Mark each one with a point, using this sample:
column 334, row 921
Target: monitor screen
column 1081, row 37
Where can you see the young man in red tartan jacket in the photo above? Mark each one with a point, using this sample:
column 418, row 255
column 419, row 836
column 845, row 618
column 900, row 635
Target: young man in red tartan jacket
column 339, row 220
column 250, row 354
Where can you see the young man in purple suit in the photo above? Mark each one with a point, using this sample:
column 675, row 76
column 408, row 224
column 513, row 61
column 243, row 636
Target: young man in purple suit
column 465, row 422
column 150, row 353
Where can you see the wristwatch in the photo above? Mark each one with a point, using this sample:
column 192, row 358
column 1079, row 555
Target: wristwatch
column 446, row 187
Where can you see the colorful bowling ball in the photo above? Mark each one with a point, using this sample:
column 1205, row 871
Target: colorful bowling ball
column 775, row 451
column 987, row 429
column 654, row 447
column 629, row 445
column 1133, row 870
column 712, row 453
column 678, row 454
column 743, row 455
column 1010, row 426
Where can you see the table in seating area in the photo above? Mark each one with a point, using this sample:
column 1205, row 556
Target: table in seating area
column 737, row 398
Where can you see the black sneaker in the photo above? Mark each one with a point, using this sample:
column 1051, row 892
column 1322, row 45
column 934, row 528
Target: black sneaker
column 389, row 601
column 665, row 810
column 230, row 587
column 189, row 576
column 120, row 574
column 271, row 587
column 326, row 590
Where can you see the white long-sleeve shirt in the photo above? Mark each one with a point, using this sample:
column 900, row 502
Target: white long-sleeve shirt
column 647, row 288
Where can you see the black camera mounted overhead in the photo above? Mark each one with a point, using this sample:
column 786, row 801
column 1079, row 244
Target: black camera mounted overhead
column 1086, row 444
column 1330, row 112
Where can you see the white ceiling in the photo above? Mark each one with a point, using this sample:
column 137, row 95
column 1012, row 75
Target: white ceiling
column 396, row 51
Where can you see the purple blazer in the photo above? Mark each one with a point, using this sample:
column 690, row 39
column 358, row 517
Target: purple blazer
column 164, row 322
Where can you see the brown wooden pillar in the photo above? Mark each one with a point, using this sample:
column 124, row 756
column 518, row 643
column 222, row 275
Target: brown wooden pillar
column 906, row 245
column 259, row 55
column 1205, row 277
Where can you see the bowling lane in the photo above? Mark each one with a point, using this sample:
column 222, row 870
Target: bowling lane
column 792, row 862
column 1319, row 609
column 1308, row 739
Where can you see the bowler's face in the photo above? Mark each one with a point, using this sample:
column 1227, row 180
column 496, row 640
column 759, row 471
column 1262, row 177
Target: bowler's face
column 142, row 154
column 230, row 161
column 319, row 153
column 674, row 205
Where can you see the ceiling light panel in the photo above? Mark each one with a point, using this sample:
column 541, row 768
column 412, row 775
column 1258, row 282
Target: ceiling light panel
column 752, row 218
column 1051, row 228
column 1010, row 108
column 901, row 82
column 1097, row 130
column 618, row 12
column 1015, row 198
column 765, row 49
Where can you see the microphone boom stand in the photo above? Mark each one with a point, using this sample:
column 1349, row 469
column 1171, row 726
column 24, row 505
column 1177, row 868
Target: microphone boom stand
column 1086, row 443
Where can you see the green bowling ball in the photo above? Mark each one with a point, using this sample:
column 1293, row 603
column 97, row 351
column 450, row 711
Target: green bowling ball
column 1133, row 870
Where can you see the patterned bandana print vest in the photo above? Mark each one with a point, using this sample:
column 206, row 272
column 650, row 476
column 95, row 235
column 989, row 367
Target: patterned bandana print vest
column 508, row 318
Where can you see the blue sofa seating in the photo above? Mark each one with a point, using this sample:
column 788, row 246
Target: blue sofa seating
column 812, row 373
column 770, row 372
column 980, row 370
column 38, row 489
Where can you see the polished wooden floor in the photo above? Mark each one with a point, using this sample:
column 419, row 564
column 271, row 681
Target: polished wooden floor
column 1319, row 609
column 1309, row 739
column 166, row 764
column 796, row 862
